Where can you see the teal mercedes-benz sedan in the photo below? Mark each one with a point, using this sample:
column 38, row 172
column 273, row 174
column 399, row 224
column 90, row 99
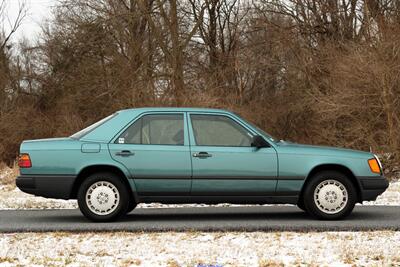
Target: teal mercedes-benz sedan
column 193, row 155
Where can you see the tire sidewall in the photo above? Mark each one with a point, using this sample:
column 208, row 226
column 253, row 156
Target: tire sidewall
column 308, row 195
column 132, row 205
column 300, row 205
column 122, row 190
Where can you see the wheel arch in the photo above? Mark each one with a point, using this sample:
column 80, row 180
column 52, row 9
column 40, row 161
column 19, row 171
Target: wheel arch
column 333, row 167
column 91, row 169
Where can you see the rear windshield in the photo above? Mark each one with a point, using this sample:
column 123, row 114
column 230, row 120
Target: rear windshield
column 90, row 128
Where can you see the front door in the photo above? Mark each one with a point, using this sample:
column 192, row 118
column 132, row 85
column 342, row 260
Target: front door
column 224, row 162
column 155, row 149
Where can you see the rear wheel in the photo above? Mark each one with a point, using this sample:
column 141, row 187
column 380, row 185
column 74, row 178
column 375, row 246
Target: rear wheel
column 300, row 205
column 103, row 197
column 329, row 195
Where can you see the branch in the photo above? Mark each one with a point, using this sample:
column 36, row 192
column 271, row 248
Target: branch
column 22, row 13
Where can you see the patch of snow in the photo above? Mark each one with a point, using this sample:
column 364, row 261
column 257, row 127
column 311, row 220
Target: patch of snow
column 390, row 197
column 16, row 199
column 378, row 248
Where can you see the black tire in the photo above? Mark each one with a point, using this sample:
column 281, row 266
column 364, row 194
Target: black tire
column 132, row 205
column 315, row 207
column 300, row 205
column 120, row 207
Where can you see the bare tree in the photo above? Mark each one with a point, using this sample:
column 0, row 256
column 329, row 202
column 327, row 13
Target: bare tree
column 314, row 71
column 12, row 24
column 166, row 24
column 7, row 81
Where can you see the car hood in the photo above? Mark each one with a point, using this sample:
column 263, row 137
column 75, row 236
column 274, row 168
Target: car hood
column 294, row 148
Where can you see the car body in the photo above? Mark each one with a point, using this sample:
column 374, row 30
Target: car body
column 193, row 155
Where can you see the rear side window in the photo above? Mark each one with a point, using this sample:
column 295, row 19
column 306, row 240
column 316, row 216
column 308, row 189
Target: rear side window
column 83, row 132
column 160, row 129
column 215, row 130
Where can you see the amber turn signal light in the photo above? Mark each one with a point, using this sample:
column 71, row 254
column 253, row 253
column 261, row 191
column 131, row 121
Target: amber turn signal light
column 24, row 161
column 374, row 166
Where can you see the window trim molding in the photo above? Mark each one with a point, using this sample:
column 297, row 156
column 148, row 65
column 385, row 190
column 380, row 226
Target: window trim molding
column 189, row 118
column 141, row 115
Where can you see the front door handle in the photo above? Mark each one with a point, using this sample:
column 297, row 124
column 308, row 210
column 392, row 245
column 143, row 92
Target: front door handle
column 125, row 153
column 202, row 155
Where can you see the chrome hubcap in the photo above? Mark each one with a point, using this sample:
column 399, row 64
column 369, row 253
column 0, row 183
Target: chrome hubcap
column 330, row 196
column 102, row 198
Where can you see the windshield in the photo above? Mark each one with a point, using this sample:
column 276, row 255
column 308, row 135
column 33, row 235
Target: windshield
column 90, row 128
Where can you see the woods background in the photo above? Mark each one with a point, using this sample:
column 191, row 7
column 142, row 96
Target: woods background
column 310, row 71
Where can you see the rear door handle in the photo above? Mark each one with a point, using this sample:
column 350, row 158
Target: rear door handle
column 125, row 153
column 202, row 155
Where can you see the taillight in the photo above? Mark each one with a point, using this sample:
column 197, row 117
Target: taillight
column 24, row 161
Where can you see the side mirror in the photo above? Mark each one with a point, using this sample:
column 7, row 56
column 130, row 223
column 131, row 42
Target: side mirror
column 259, row 142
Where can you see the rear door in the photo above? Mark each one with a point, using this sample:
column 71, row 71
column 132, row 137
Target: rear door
column 155, row 149
column 224, row 162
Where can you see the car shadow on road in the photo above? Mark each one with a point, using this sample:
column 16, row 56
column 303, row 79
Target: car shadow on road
column 233, row 214
column 183, row 214
column 190, row 215
column 214, row 215
column 272, row 218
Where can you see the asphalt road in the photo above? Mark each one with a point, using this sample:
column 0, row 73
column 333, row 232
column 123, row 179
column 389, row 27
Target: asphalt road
column 245, row 218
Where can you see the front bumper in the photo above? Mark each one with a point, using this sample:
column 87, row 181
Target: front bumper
column 51, row 186
column 372, row 187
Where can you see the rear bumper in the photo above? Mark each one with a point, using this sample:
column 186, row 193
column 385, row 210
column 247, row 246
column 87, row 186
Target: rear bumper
column 51, row 186
column 372, row 187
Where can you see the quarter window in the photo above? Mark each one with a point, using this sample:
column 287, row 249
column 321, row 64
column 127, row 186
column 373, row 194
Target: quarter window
column 212, row 130
column 160, row 129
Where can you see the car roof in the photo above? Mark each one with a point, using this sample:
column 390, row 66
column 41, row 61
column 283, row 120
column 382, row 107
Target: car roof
column 169, row 109
column 110, row 128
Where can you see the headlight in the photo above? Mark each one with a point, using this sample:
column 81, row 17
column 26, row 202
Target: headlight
column 375, row 165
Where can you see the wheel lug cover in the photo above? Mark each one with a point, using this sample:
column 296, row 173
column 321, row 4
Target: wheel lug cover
column 102, row 198
column 330, row 196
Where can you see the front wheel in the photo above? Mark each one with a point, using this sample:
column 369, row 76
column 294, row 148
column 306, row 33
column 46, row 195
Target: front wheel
column 103, row 197
column 132, row 205
column 329, row 195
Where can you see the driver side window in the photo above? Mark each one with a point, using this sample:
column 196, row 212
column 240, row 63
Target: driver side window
column 217, row 130
column 160, row 129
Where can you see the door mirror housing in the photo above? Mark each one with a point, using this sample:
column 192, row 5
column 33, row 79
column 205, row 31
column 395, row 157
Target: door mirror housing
column 259, row 142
